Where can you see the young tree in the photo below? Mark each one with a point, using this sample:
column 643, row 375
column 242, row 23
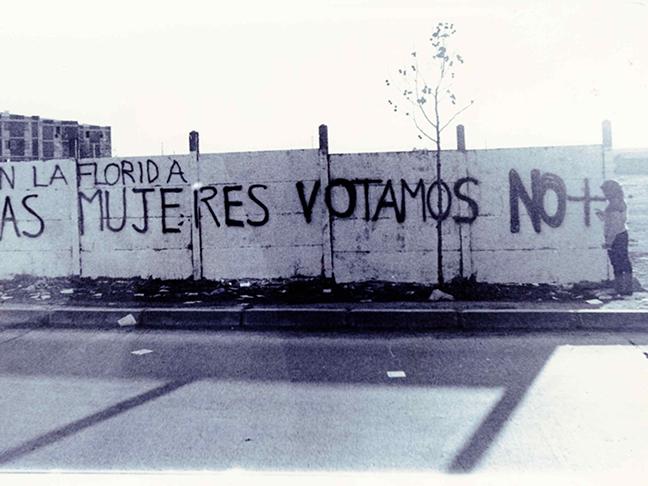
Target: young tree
column 431, row 106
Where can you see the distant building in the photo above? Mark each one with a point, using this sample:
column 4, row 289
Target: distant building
column 34, row 138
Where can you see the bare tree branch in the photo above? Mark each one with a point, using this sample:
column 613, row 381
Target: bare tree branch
column 456, row 115
column 418, row 97
column 423, row 132
column 416, row 90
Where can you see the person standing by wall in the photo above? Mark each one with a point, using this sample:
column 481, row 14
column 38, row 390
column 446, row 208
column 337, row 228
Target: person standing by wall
column 615, row 231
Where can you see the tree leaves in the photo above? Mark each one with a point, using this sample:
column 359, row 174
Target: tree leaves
column 430, row 100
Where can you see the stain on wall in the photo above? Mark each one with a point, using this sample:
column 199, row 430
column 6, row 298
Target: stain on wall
column 508, row 215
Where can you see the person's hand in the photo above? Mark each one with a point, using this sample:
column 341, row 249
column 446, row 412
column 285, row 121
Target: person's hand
column 599, row 213
column 605, row 246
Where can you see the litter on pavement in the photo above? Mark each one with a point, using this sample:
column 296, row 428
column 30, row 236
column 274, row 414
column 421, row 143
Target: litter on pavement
column 140, row 352
column 437, row 295
column 396, row 374
column 127, row 320
column 594, row 301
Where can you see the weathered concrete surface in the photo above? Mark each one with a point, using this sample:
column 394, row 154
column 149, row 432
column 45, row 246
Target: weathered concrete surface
column 570, row 251
column 296, row 213
column 540, row 403
column 130, row 233
column 378, row 247
column 39, row 218
column 284, row 245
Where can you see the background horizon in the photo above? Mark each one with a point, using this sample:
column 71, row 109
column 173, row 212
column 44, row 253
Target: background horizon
column 251, row 76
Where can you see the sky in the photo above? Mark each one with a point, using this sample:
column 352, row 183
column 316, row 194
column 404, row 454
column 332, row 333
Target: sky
column 263, row 75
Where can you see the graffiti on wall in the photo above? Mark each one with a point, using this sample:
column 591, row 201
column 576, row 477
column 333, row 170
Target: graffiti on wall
column 535, row 203
column 376, row 198
column 119, row 191
column 230, row 197
column 139, row 182
column 21, row 211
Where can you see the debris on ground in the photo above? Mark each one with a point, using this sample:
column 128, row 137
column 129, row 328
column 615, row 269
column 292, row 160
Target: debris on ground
column 594, row 302
column 604, row 296
column 127, row 320
column 139, row 292
column 438, row 295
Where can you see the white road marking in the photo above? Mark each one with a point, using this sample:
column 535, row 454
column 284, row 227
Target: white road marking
column 396, row 374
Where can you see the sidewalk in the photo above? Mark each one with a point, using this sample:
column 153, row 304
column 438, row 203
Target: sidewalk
column 311, row 305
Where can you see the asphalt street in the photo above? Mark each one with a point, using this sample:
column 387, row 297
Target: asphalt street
column 133, row 399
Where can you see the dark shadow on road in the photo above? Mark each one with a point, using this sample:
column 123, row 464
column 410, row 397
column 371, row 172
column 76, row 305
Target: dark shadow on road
column 180, row 358
column 67, row 430
column 468, row 458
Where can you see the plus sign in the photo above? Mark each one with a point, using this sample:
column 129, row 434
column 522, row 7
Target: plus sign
column 587, row 199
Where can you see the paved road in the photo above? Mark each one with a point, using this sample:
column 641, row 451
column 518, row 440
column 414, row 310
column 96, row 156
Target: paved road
column 72, row 399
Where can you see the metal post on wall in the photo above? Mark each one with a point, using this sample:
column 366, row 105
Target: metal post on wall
column 327, row 222
column 323, row 139
column 77, row 245
column 196, row 229
column 194, row 143
column 461, row 147
column 461, row 138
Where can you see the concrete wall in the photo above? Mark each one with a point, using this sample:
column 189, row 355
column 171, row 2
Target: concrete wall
column 38, row 222
column 371, row 246
column 391, row 235
column 251, row 220
column 510, row 215
column 566, row 249
column 137, row 216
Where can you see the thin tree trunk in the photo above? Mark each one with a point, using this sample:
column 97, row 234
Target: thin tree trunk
column 439, row 227
column 439, row 223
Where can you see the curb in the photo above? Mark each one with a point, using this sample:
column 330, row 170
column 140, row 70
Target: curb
column 331, row 318
column 295, row 317
column 553, row 319
column 184, row 318
column 405, row 319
